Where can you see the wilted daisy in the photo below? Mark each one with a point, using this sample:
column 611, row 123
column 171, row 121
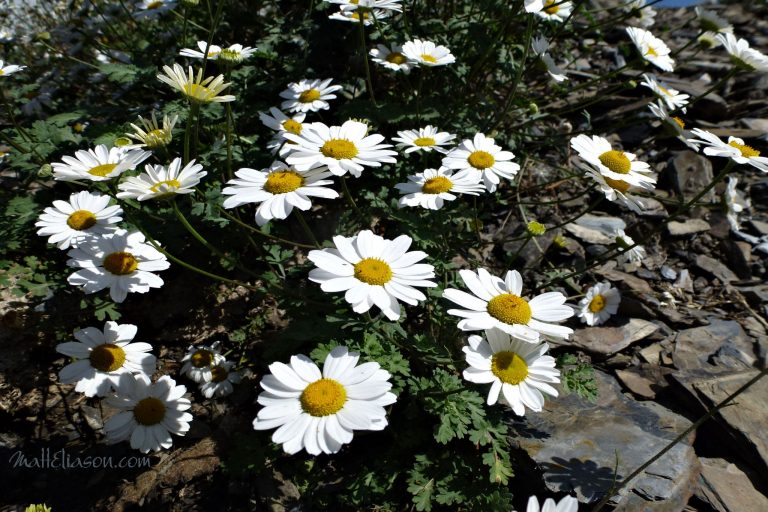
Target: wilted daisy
column 149, row 8
column 149, row 413
column 634, row 255
column 483, row 155
column 102, row 356
column 567, row 504
column 195, row 88
column 98, row 164
column 673, row 98
column 151, row 135
column 734, row 203
column 611, row 163
column 319, row 412
column 423, row 139
column 213, row 51
column 734, row 149
column 222, row 378
column 309, row 95
column 640, row 9
column 673, row 124
column 9, row 69
column 555, row 10
column 159, row 182
column 391, row 57
column 619, row 191
column 281, row 123
column 540, row 46
column 652, row 49
column 345, row 148
column 200, row 360
column 518, row 371
column 742, row 55
column 120, row 261
column 85, row 214
column 431, row 188
column 600, row 302
column 711, row 22
column 427, row 53
column 278, row 188
column 499, row 303
column 373, row 271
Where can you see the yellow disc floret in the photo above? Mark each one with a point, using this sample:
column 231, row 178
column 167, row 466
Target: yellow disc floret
column 373, row 271
column 597, row 304
column 481, row 160
column 396, row 58
column 169, row 185
column 81, row 219
column 746, row 151
column 149, row 411
column 102, row 170
column 437, row 185
column 120, row 263
column 510, row 309
column 292, row 126
column 428, row 58
column 282, row 182
column 550, row 8
column 219, row 374
column 340, row 149
column 202, row 358
column 509, row 367
column 107, row 357
column 323, row 398
column 424, row 141
column 309, row 96
column 617, row 161
column 621, row 186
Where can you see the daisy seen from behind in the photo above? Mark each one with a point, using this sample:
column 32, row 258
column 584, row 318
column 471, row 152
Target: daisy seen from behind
column 599, row 304
column 427, row 53
column 102, row 356
column 711, row 22
column 373, row 271
column 735, row 149
column 160, row 182
column 151, row 135
column 277, row 189
column 222, row 380
column 391, row 57
column 619, row 166
column 426, row 139
column 85, row 214
column 195, row 88
column 482, row 155
column 9, row 69
column 319, row 412
column 200, row 360
column 499, row 303
column 149, row 413
column 567, row 504
column 651, row 48
column 518, row 371
column 673, row 98
column 540, row 46
column 309, row 95
column 742, row 55
column 645, row 14
column 431, row 188
column 673, row 124
column 98, row 164
column 634, row 253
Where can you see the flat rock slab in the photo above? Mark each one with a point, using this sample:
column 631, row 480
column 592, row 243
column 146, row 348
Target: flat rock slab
column 727, row 488
column 688, row 227
column 595, row 229
column 610, row 340
column 694, row 347
column 716, row 268
column 577, row 442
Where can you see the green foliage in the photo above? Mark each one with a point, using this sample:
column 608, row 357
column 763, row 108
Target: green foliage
column 578, row 377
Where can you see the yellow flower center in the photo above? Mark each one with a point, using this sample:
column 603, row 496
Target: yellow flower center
column 620, row 185
column 340, row 149
column 356, row 14
column 428, row 58
column 230, row 55
column 652, row 52
column 597, row 304
column 282, row 182
column 323, row 398
column 198, row 92
column 2, row 72
column 481, row 160
column 437, row 185
column 154, row 5
column 81, row 219
column 102, row 170
column 149, row 411
column 395, row 58
column 424, row 141
column 309, row 96
column 168, row 184
column 679, row 122
column 156, row 139
column 219, row 374
column 509, row 367
column 746, row 151
column 373, row 271
column 616, row 161
column 120, row 263
column 510, row 309
column 202, row 358
column 107, row 357
column 664, row 90
column 549, row 8
column 292, row 126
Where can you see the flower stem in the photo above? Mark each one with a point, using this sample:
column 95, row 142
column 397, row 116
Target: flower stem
column 307, row 229
column 364, row 50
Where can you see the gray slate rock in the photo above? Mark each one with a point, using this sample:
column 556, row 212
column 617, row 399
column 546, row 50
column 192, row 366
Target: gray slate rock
column 716, row 268
column 610, row 340
column 727, row 488
column 596, row 229
column 692, row 173
column 723, row 339
column 687, row 227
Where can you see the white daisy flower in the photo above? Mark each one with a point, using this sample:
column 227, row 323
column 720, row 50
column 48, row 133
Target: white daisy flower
column 652, row 49
column 540, row 46
column 499, row 304
column 427, row 53
column 534, row 6
column 151, row 8
column 319, row 412
column 518, row 371
column 734, row 149
column 98, row 164
column 102, row 356
column 149, row 413
column 742, row 55
column 9, row 69
column 611, row 163
column 673, row 123
column 423, row 139
column 618, row 191
column 222, row 378
column 393, row 5
column 345, row 148
column 734, row 203
column 213, row 51
column 309, row 95
column 194, row 88
column 711, row 22
column 431, row 188
column 120, row 261
column 373, row 271
column 391, row 58
column 639, row 8
column 235, row 54
column 600, row 302
column 159, row 182
column 200, row 360
column 555, row 10
column 150, row 134
column 483, row 155
column 634, row 255
column 673, row 98
column 279, row 189
column 708, row 40
column 368, row 15
column 282, row 123
column 86, row 214
column 567, row 504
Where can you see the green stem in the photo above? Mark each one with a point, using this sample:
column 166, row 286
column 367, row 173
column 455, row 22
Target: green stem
column 267, row 235
column 194, row 110
column 364, row 50
column 352, row 202
column 303, row 222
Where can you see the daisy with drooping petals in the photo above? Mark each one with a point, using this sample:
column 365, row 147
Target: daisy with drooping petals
column 498, row 303
column 425, row 139
column 640, row 9
column 613, row 164
column 673, row 98
column 319, row 412
column 427, row 53
column 281, row 123
column 481, row 154
column 151, row 135
column 600, row 302
column 555, row 10
column 634, row 254
column 518, row 371
column 213, row 51
column 222, row 378
column 86, row 214
column 673, row 124
column 149, row 413
column 102, row 356
column 734, row 203
column 159, row 182
column 540, row 46
column 120, row 261
column 711, row 22
column 652, row 49
column 391, row 58
column 735, row 149
column 194, row 87
column 98, row 164
column 618, row 191
column 431, row 188
column 345, row 148
column 309, row 95
column 373, row 271
column 199, row 361
column 9, row 69
column 742, row 55
column 567, row 504
column 279, row 189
